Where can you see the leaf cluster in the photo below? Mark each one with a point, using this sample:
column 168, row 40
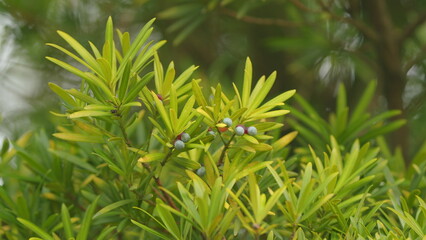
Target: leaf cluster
column 114, row 168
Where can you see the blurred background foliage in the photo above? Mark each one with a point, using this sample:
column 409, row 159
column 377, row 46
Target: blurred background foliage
column 315, row 45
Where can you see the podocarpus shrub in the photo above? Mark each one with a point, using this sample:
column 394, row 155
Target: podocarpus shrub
column 144, row 154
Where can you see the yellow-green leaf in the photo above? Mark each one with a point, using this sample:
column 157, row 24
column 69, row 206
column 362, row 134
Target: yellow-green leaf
column 151, row 157
column 75, row 137
column 89, row 113
column 284, row 141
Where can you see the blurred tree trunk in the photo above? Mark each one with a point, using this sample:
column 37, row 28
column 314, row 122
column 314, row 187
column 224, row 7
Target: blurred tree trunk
column 389, row 59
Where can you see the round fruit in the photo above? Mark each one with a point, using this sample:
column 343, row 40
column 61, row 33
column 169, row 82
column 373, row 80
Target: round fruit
column 159, row 96
column 185, row 137
column 201, row 171
column 179, row 144
column 227, row 121
column 240, row 130
column 252, row 131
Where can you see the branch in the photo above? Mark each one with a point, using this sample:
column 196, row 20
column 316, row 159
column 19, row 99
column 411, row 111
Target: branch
column 361, row 26
column 410, row 29
column 260, row 21
column 303, row 7
column 168, row 198
column 163, row 195
column 123, row 131
column 222, row 155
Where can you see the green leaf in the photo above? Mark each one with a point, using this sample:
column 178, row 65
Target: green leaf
column 168, row 220
column 184, row 77
column 158, row 74
column 363, row 102
column 98, row 107
column 306, row 188
column 284, row 141
column 111, row 164
column 67, row 67
column 125, row 43
column 168, row 78
column 150, row 230
column 198, row 94
column 84, row 97
column 186, row 114
column 95, row 50
column 178, row 11
column 66, row 221
column 71, row 55
column 151, row 157
column 85, row 75
column 89, row 113
column 250, row 139
column 145, row 55
column 410, row 221
column 188, row 29
column 257, row 97
column 383, row 130
column 137, row 88
column 75, row 137
column 173, row 109
column 316, row 206
column 281, row 98
column 74, row 159
column 163, row 113
column 242, row 206
column 186, row 163
column 217, row 100
column 189, row 204
column 80, row 50
column 248, row 73
column 36, row 229
column 341, row 99
column 135, row 46
column 105, row 232
column 271, row 114
column 63, row 94
column 109, row 38
column 87, row 220
column 112, row 207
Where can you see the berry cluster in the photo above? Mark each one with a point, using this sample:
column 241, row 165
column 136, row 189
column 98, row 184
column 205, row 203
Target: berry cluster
column 240, row 129
column 181, row 139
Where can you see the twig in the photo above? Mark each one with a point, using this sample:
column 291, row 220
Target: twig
column 159, row 193
column 361, row 26
column 222, row 155
column 163, row 195
column 303, row 7
column 260, row 21
column 169, row 199
column 149, row 139
column 123, row 131
column 410, row 29
column 169, row 154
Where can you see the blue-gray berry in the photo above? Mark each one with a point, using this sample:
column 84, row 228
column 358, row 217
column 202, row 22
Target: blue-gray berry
column 179, row 144
column 239, row 130
column 227, row 121
column 201, row 171
column 185, row 137
column 252, row 131
column 211, row 132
